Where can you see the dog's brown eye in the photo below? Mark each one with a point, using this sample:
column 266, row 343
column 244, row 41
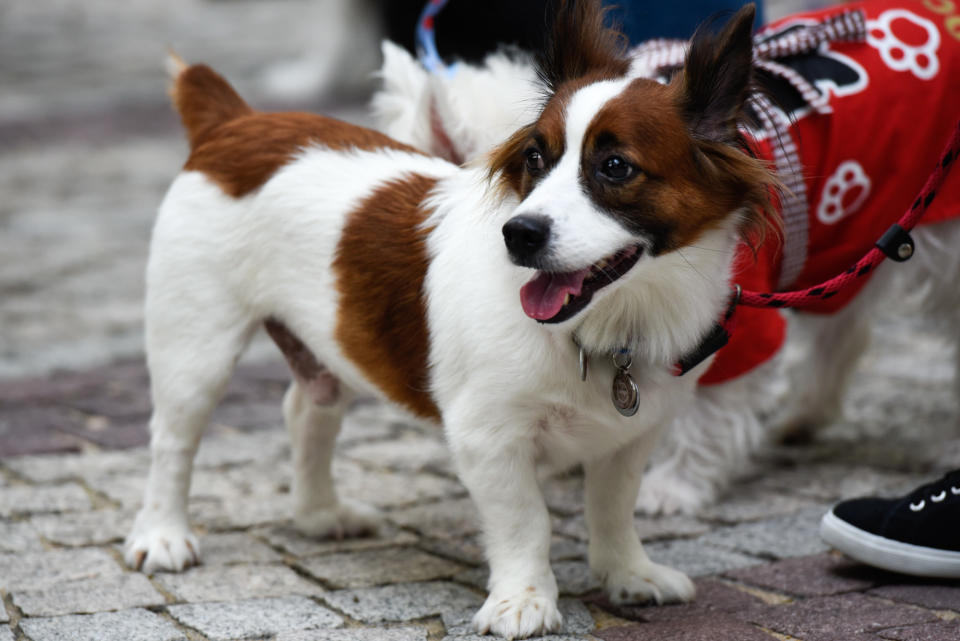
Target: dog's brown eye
column 615, row 169
column 534, row 160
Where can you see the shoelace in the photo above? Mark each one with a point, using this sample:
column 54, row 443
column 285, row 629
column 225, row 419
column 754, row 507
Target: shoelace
column 936, row 492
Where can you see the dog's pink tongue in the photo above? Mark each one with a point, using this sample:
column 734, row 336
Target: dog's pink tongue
column 543, row 296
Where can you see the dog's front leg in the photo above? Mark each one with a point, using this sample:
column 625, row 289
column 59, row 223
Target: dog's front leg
column 616, row 555
column 501, row 477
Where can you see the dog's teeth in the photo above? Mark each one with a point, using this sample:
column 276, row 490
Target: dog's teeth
column 602, row 264
column 566, row 299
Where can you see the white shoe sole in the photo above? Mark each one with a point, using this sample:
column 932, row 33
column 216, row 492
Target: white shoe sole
column 886, row 553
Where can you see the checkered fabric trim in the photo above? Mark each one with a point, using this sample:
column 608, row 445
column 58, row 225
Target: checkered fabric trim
column 658, row 58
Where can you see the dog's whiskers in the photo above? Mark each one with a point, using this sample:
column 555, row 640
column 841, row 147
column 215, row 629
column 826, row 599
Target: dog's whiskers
column 604, row 271
column 707, row 249
column 699, row 273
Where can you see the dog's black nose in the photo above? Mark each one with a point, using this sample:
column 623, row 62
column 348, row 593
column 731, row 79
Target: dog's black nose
column 526, row 236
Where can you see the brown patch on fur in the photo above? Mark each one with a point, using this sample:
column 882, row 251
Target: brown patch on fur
column 682, row 185
column 506, row 162
column 380, row 266
column 239, row 148
column 316, row 380
column 581, row 50
column 548, row 136
column 243, row 154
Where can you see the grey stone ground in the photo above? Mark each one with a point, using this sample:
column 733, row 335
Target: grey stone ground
column 87, row 146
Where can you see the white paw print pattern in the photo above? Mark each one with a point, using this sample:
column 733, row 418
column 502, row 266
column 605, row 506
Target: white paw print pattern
column 921, row 60
column 849, row 184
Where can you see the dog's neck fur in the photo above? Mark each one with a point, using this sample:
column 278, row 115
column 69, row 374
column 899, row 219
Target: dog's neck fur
column 664, row 310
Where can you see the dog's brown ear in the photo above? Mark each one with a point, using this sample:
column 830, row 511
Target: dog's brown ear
column 580, row 44
column 716, row 77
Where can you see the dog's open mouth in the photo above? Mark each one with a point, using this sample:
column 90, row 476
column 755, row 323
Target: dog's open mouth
column 553, row 297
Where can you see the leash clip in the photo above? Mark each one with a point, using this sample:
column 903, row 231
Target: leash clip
column 896, row 243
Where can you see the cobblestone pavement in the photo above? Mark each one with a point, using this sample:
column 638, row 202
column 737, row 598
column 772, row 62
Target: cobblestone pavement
column 73, row 465
column 87, row 146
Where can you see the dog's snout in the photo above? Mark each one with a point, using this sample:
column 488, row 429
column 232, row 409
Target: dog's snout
column 526, row 236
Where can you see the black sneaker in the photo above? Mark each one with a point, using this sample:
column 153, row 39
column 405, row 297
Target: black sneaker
column 915, row 534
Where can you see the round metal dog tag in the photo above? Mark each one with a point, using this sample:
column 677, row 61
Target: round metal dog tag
column 625, row 393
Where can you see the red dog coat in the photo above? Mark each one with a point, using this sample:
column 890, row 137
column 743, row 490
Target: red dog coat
column 863, row 114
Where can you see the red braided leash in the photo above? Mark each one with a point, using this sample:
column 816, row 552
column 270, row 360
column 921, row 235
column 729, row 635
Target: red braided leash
column 895, row 243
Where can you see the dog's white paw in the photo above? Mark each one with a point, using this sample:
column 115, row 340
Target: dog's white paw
column 161, row 546
column 666, row 492
column 348, row 519
column 648, row 582
column 518, row 616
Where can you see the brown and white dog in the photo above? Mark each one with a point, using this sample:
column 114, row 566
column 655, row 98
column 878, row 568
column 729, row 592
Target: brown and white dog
column 853, row 155
column 613, row 218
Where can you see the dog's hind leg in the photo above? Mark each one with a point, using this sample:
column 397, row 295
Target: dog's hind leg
column 616, row 555
column 937, row 264
column 313, row 410
column 192, row 347
column 822, row 354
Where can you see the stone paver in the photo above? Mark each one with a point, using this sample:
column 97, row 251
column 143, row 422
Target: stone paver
column 696, row 557
column 49, row 468
column 795, row 534
column 222, row 513
column 832, row 618
column 236, row 547
column 84, row 528
column 289, row 540
column 19, row 537
column 713, row 598
column 452, row 519
column 942, row 595
column 755, row 504
column 548, row 637
column 939, row 631
column 98, row 594
column 235, row 582
column 243, row 448
column 6, row 634
column 38, row 570
column 19, row 500
column 819, row 575
column 403, row 602
column 254, row 618
column 830, row 481
column 361, row 569
column 372, row 421
column 468, row 549
column 126, row 489
column 128, row 625
column 409, row 453
column 394, row 489
column 703, row 628
column 357, row 634
column 649, row 529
